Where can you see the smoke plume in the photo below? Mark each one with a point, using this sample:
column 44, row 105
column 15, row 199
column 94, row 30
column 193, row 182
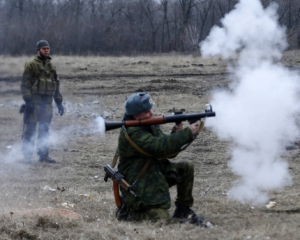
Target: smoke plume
column 258, row 111
column 57, row 139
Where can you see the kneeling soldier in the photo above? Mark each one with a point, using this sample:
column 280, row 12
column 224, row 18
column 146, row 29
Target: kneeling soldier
column 149, row 148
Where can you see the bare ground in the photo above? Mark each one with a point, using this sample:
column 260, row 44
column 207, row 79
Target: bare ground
column 70, row 200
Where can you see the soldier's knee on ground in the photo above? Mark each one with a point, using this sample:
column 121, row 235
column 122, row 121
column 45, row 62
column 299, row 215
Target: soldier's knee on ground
column 152, row 214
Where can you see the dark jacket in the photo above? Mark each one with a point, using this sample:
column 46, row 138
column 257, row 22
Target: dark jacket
column 152, row 189
column 40, row 79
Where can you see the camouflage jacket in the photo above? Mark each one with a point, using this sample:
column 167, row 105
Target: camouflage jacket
column 152, row 189
column 40, row 79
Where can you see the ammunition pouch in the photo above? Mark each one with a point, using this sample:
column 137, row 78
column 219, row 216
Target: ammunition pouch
column 46, row 86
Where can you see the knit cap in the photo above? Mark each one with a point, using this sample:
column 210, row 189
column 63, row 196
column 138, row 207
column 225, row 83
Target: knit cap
column 42, row 43
column 138, row 103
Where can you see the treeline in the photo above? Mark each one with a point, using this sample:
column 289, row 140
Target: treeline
column 114, row 27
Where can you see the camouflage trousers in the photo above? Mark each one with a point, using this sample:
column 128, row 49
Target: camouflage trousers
column 40, row 121
column 184, row 181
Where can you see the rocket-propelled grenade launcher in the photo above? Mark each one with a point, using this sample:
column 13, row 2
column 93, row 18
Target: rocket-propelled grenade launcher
column 177, row 118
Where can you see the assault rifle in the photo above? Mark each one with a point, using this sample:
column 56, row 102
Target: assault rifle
column 117, row 177
column 26, row 117
column 177, row 118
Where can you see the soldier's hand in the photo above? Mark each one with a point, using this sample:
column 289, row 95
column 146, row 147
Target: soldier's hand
column 194, row 128
column 61, row 109
column 177, row 128
column 29, row 107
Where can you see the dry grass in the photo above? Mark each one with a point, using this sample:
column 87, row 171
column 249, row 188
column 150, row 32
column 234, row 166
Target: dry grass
column 173, row 81
column 73, row 66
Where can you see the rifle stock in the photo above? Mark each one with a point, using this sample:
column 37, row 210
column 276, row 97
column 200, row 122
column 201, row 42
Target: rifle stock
column 160, row 120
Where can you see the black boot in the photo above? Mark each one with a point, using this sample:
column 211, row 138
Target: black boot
column 187, row 215
column 122, row 211
column 195, row 220
column 46, row 159
column 182, row 211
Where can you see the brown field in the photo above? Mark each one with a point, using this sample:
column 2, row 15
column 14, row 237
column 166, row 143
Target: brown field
column 70, row 200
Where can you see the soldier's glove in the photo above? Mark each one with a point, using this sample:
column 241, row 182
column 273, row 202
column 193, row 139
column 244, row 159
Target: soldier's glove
column 22, row 108
column 29, row 107
column 61, row 109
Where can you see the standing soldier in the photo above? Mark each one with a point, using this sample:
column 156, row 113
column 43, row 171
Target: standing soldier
column 40, row 85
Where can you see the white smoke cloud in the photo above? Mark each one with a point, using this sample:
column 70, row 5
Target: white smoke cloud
column 258, row 112
column 57, row 138
column 93, row 124
column 100, row 126
column 11, row 153
column 94, row 127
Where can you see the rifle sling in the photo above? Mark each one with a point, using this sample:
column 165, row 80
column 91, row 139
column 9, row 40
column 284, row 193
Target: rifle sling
column 116, row 156
column 142, row 151
column 115, row 159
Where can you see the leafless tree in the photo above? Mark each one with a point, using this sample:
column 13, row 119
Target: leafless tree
column 165, row 33
column 191, row 38
column 121, row 26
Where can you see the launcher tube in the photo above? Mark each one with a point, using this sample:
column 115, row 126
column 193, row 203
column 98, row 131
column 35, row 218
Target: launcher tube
column 159, row 120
